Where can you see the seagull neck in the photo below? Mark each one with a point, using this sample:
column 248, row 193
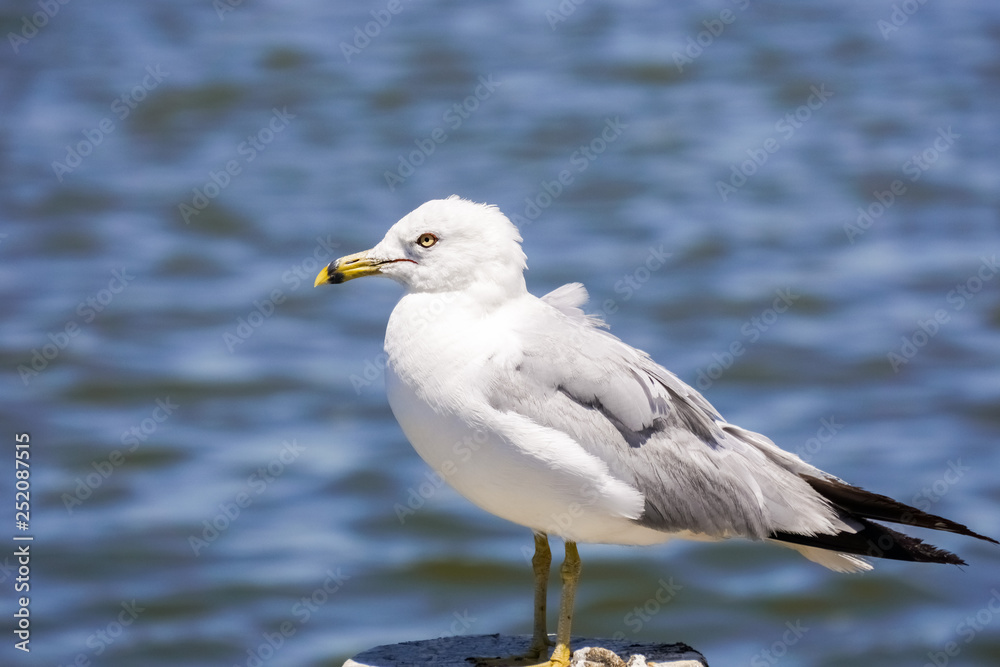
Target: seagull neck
column 479, row 297
column 490, row 296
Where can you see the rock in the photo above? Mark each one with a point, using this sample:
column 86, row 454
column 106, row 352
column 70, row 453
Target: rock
column 670, row 655
column 458, row 651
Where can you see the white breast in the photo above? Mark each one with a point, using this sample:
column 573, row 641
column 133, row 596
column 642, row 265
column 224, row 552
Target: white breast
column 503, row 462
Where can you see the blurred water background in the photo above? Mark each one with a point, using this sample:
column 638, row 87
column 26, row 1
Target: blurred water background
column 793, row 205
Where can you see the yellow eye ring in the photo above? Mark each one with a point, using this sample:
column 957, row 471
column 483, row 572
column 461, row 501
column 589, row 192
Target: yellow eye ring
column 426, row 240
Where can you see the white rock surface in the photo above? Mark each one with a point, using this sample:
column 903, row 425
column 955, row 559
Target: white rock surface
column 456, row 651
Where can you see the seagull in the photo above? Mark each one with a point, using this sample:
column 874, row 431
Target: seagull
column 535, row 412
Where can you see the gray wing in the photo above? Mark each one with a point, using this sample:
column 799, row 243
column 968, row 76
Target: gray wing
column 696, row 472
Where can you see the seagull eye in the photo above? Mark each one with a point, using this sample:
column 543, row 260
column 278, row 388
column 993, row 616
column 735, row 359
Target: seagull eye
column 427, row 240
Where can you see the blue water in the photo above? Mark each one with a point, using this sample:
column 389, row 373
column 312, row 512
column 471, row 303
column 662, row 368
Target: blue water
column 769, row 197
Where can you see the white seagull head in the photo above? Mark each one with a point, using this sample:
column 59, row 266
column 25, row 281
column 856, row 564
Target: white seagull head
column 444, row 245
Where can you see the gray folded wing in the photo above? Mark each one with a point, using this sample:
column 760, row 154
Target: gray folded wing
column 697, row 473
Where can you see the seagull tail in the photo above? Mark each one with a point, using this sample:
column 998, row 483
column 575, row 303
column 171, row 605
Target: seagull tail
column 833, row 560
column 857, row 506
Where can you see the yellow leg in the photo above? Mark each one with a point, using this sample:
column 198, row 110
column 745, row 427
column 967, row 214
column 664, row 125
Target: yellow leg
column 570, row 572
column 541, row 563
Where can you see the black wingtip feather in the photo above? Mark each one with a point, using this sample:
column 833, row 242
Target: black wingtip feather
column 877, row 541
column 873, row 539
column 859, row 502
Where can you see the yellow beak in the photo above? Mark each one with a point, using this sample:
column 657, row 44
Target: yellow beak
column 347, row 268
